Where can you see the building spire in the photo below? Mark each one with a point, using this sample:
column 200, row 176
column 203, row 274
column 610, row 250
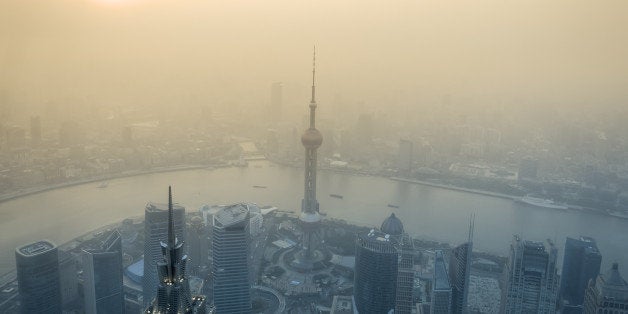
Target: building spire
column 471, row 227
column 171, row 236
column 314, row 77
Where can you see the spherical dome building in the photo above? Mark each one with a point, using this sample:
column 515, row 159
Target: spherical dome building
column 312, row 138
column 392, row 225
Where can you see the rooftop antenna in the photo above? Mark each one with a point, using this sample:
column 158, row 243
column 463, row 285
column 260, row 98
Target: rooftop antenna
column 314, row 76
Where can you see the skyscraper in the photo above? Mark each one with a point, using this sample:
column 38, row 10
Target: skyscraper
column 310, row 217
column 581, row 263
column 441, row 289
column 376, row 264
column 173, row 290
column 38, row 277
column 102, row 273
column 156, row 232
column 405, row 267
column 607, row 294
column 198, row 245
column 459, row 272
column 404, row 159
column 230, row 270
column 531, row 278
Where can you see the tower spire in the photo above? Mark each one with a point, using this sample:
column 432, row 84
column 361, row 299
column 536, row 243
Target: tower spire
column 314, row 77
column 471, row 227
column 171, row 236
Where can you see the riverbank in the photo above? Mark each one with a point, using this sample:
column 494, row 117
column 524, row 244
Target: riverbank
column 39, row 189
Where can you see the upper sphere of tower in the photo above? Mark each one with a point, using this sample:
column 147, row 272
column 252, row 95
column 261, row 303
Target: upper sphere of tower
column 312, row 138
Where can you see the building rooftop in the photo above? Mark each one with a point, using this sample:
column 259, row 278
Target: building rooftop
column 153, row 207
column 231, row 215
column 342, row 304
column 36, row 248
column 441, row 279
column 392, row 225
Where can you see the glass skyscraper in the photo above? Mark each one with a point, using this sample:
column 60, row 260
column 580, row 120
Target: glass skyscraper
column 38, row 277
column 581, row 263
column 102, row 273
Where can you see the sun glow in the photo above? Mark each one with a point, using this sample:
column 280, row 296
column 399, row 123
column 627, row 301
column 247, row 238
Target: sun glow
column 117, row 3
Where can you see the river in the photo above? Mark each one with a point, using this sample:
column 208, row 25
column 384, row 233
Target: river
column 428, row 212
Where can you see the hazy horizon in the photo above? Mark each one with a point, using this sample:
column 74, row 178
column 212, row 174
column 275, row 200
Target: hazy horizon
column 537, row 54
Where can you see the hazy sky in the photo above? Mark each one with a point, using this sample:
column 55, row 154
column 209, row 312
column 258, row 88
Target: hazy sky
column 165, row 50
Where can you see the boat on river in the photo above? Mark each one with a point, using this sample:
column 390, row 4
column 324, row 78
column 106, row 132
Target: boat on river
column 336, row 196
column 541, row 202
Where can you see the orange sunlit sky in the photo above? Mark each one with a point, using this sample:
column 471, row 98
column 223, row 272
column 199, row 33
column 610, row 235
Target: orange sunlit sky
column 565, row 52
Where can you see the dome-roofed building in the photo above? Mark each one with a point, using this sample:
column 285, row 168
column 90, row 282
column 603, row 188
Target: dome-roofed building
column 392, row 225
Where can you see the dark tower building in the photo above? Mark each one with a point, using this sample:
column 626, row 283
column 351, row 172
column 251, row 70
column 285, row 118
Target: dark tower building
column 459, row 272
column 310, row 217
column 102, row 273
column 230, row 270
column 376, row 264
column 581, row 263
column 173, row 291
column 38, row 277
column 156, row 232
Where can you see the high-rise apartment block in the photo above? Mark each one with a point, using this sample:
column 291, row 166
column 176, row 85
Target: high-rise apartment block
column 38, row 277
column 581, row 263
column 376, row 264
column 607, row 294
column 102, row 273
column 530, row 278
column 230, row 270
column 441, row 288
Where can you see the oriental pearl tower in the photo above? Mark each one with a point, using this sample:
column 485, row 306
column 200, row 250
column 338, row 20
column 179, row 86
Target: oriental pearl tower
column 310, row 217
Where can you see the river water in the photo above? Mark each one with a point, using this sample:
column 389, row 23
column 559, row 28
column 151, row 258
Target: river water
column 433, row 213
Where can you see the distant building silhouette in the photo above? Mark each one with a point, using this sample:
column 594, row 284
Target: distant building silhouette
column 607, row 294
column 38, row 277
column 460, row 271
column 230, row 270
column 581, row 263
column 276, row 101
column 405, row 155
column 102, row 273
column 441, row 290
column 35, row 131
column 376, row 264
column 173, row 289
column 530, row 278
column 156, row 232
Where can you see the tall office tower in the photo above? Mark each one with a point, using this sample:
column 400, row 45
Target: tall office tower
column 607, row 294
column 276, row 101
column 405, row 267
column 459, row 272
column 198, row 245
column 441, row 289
column 581, row 263
column 68, row 280
column 38, row 277
column 531, row 279
column 102, row 273
column 404, row 159
column 376, row 263
column 156, row 232
column 173, row 290
column 35, row 131
column 230, row 271
column 310, row 217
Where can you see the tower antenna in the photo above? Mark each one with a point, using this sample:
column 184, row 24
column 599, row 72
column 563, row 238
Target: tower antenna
column 171, row 236
column 314, row 76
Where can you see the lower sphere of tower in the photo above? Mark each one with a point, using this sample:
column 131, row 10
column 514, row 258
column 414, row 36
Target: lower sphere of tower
column 312, row 138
